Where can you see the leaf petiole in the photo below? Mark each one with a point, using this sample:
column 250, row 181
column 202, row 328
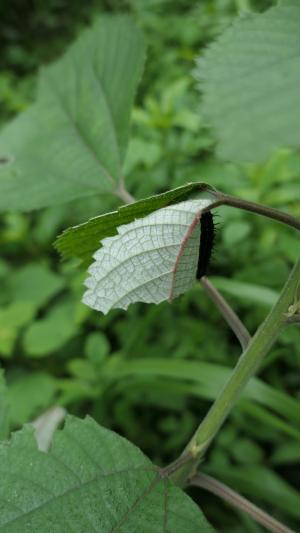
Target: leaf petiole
column 227, row 312
column 236, row 500
column 253, row 207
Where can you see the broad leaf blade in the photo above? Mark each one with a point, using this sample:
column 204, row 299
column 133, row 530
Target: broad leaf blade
column 250, row 79
column 91, row 480
column 150, row 260
column 4, row 408
column 82, row 241
column 72, row 142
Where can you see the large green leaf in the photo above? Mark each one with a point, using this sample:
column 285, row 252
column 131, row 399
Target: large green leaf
column 82, row 241
column 250, row 78
column 91, row 480
column 72, row 141
column 150, row 260
column 4, row 408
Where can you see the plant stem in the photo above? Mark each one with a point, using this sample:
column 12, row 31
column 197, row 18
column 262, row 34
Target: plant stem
column 233, row 498
column 246, row 205
column 261, row 343
column 122, row 193
column 246, row 367
column 293, row 320
column 254, row 350
column 228, row 313
column 232, row 201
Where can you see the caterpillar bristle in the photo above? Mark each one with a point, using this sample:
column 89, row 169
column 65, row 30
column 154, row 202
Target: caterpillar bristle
column 207, row 241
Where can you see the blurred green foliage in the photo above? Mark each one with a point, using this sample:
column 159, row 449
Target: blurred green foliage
column 56, row 350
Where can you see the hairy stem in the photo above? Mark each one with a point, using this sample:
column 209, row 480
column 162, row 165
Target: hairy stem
column 233, row 498
column 228, row 313
column 269, row 212
column 246, row 367
column 259, row 346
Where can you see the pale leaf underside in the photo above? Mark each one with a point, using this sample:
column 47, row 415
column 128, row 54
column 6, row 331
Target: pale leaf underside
column 150, row 260
column 82, row 241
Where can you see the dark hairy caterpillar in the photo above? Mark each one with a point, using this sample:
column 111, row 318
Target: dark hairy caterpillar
column 207, row 239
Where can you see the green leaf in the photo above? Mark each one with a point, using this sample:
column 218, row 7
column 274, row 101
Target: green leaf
column 141, row 152
column 17, row 314
column 96, row 348
column 50, row 333
column 235, row 232
column 28, row 394
column 72, row 141
column 4, row 408
column 12, row 318
column 82, row 241
column 34, row 283
column 250, row 78
column 205, row 381
column 286, row 453
column 266, row 417
column 167, row 393
column 150, row 260
column 91, row 480
column 246, row 291
column 82, row 369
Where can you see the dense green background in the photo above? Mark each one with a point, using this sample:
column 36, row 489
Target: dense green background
column 55, row 350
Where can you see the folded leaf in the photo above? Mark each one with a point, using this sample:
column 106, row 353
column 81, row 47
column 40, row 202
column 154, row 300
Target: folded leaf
column 150, row 260
column 72, row 141
column 83, row 240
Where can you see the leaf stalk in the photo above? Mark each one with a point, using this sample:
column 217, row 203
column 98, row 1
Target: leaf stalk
column 236, row 500
column 253, row 207
column 227, row 312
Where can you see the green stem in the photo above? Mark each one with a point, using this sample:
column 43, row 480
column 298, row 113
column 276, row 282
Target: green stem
column 293, row 319
column 246, row 367
column 261, row 343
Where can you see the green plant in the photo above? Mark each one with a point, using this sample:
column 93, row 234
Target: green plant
column 128, row 481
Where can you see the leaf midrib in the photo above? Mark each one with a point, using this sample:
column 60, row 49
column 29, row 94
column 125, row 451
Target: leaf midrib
column 129, row 258
column 109, row 111
column 78, row 131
